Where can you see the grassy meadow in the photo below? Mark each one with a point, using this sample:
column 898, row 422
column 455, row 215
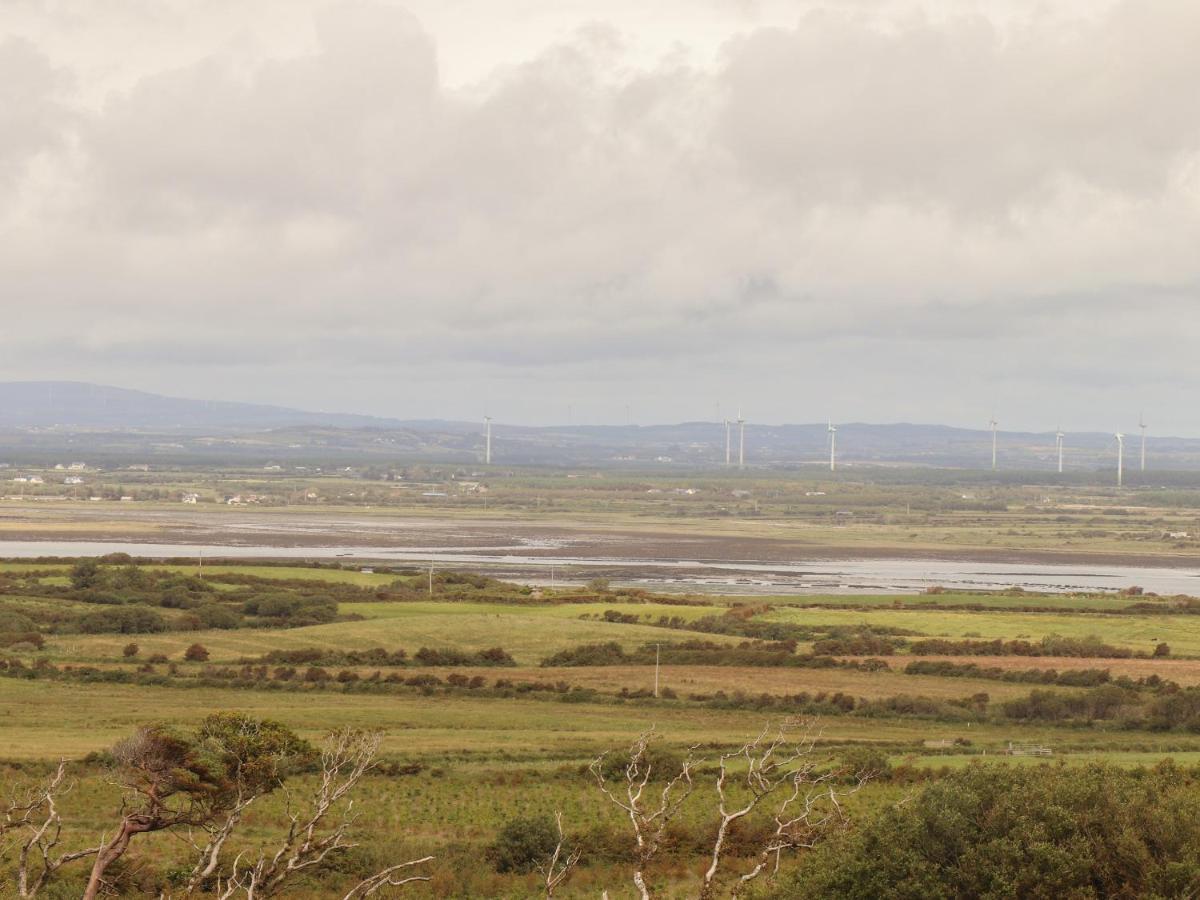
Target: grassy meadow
column 472, row 743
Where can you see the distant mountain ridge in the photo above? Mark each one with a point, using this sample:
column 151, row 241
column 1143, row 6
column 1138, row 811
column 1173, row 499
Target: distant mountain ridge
column 81, row 405
column 37, row 418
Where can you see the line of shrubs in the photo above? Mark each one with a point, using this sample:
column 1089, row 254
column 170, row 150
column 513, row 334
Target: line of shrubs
column 426, row 656
column 1051, row 645
column 704, row 653
column 1070, row 678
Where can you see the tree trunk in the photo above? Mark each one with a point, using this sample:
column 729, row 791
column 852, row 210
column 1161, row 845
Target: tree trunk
column 641, row 885
column 107, row 855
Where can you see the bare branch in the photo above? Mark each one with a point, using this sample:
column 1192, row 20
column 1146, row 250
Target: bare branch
column 321, row 826
column 649, row 823
column 392, row 876
column 34, row 818
column 558, row 869
column 769, row 766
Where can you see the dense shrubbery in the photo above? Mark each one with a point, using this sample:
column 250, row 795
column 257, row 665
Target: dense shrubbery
column 703, row 653
column 122, row 620
column 523, row 843
column 1051, row 645
column 1102, row 702
column 13, row 638
column 315, row 656
column 1049, row 831
column 493, row 656
column 1070, row 678
column 292, row 611
column 855, row 645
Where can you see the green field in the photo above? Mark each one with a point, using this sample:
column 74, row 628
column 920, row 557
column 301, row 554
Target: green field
column 515, row 741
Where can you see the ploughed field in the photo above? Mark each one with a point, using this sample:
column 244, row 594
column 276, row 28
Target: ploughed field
column 493, row 698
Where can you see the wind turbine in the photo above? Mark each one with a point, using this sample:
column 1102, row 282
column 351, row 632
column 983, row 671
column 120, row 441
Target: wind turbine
column 993, row 423
column 728, row 441
column 1120, row 459
column 741, row 441
column 832, row 429
column 1058, row 442
column 1142, row 425
column 487, row 453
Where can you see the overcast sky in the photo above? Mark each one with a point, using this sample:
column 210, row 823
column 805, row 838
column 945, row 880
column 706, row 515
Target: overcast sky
column 872, row 211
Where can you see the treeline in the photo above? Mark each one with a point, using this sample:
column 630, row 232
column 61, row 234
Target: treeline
column 704, row 653
column 1070, row 678
column 426, row 656
column 1089, row 647
column 1147, row 704
column 740, row 621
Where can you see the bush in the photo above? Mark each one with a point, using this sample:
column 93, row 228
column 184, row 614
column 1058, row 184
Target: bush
column 85, row 574
column 14, row 639
column 999, row 831
column 214, row 615
column 123, row 620
column 523, row 843
column 196, row 653
column 866, row 762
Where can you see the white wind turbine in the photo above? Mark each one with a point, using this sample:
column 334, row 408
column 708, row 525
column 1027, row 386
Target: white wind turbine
column 1058, row 443
column 1120, row 459
column 1142, row 425
column 728, row 441
column 487, row 452
column 832, row 429
column 741, row 441
column 992, row 423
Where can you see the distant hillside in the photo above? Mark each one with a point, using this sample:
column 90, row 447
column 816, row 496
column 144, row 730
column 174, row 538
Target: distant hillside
column 80, row 405
column 45, row 418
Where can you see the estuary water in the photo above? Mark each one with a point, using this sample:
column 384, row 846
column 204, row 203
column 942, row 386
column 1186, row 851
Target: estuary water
column 824, row 576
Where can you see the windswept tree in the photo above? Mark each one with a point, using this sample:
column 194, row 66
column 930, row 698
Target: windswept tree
column 169, row 780
column 256, row 756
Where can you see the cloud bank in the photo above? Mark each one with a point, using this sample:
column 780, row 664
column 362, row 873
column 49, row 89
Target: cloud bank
column 912, row 214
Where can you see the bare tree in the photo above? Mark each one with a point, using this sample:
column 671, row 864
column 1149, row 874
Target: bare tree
column 781, row 770
column 32, row 823
column 558, row 868
column 322, row 827
column 649, row 818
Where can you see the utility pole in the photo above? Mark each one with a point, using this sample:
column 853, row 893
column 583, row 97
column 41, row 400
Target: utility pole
column 431, row 578
column 657, row 649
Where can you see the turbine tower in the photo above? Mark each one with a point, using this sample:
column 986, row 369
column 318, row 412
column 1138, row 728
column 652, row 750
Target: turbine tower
column 741, row 441
column 1058, row 443
column 487, row 452
column 993, row 423
column 832, row 429
column 1142, row 425
column 1120, row 459
column 728, row 441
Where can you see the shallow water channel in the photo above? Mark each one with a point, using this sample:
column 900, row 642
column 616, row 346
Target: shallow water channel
column 859, row 576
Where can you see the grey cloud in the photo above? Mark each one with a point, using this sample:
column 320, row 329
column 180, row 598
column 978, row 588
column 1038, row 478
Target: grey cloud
column 32, row 114
column 848, row 198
